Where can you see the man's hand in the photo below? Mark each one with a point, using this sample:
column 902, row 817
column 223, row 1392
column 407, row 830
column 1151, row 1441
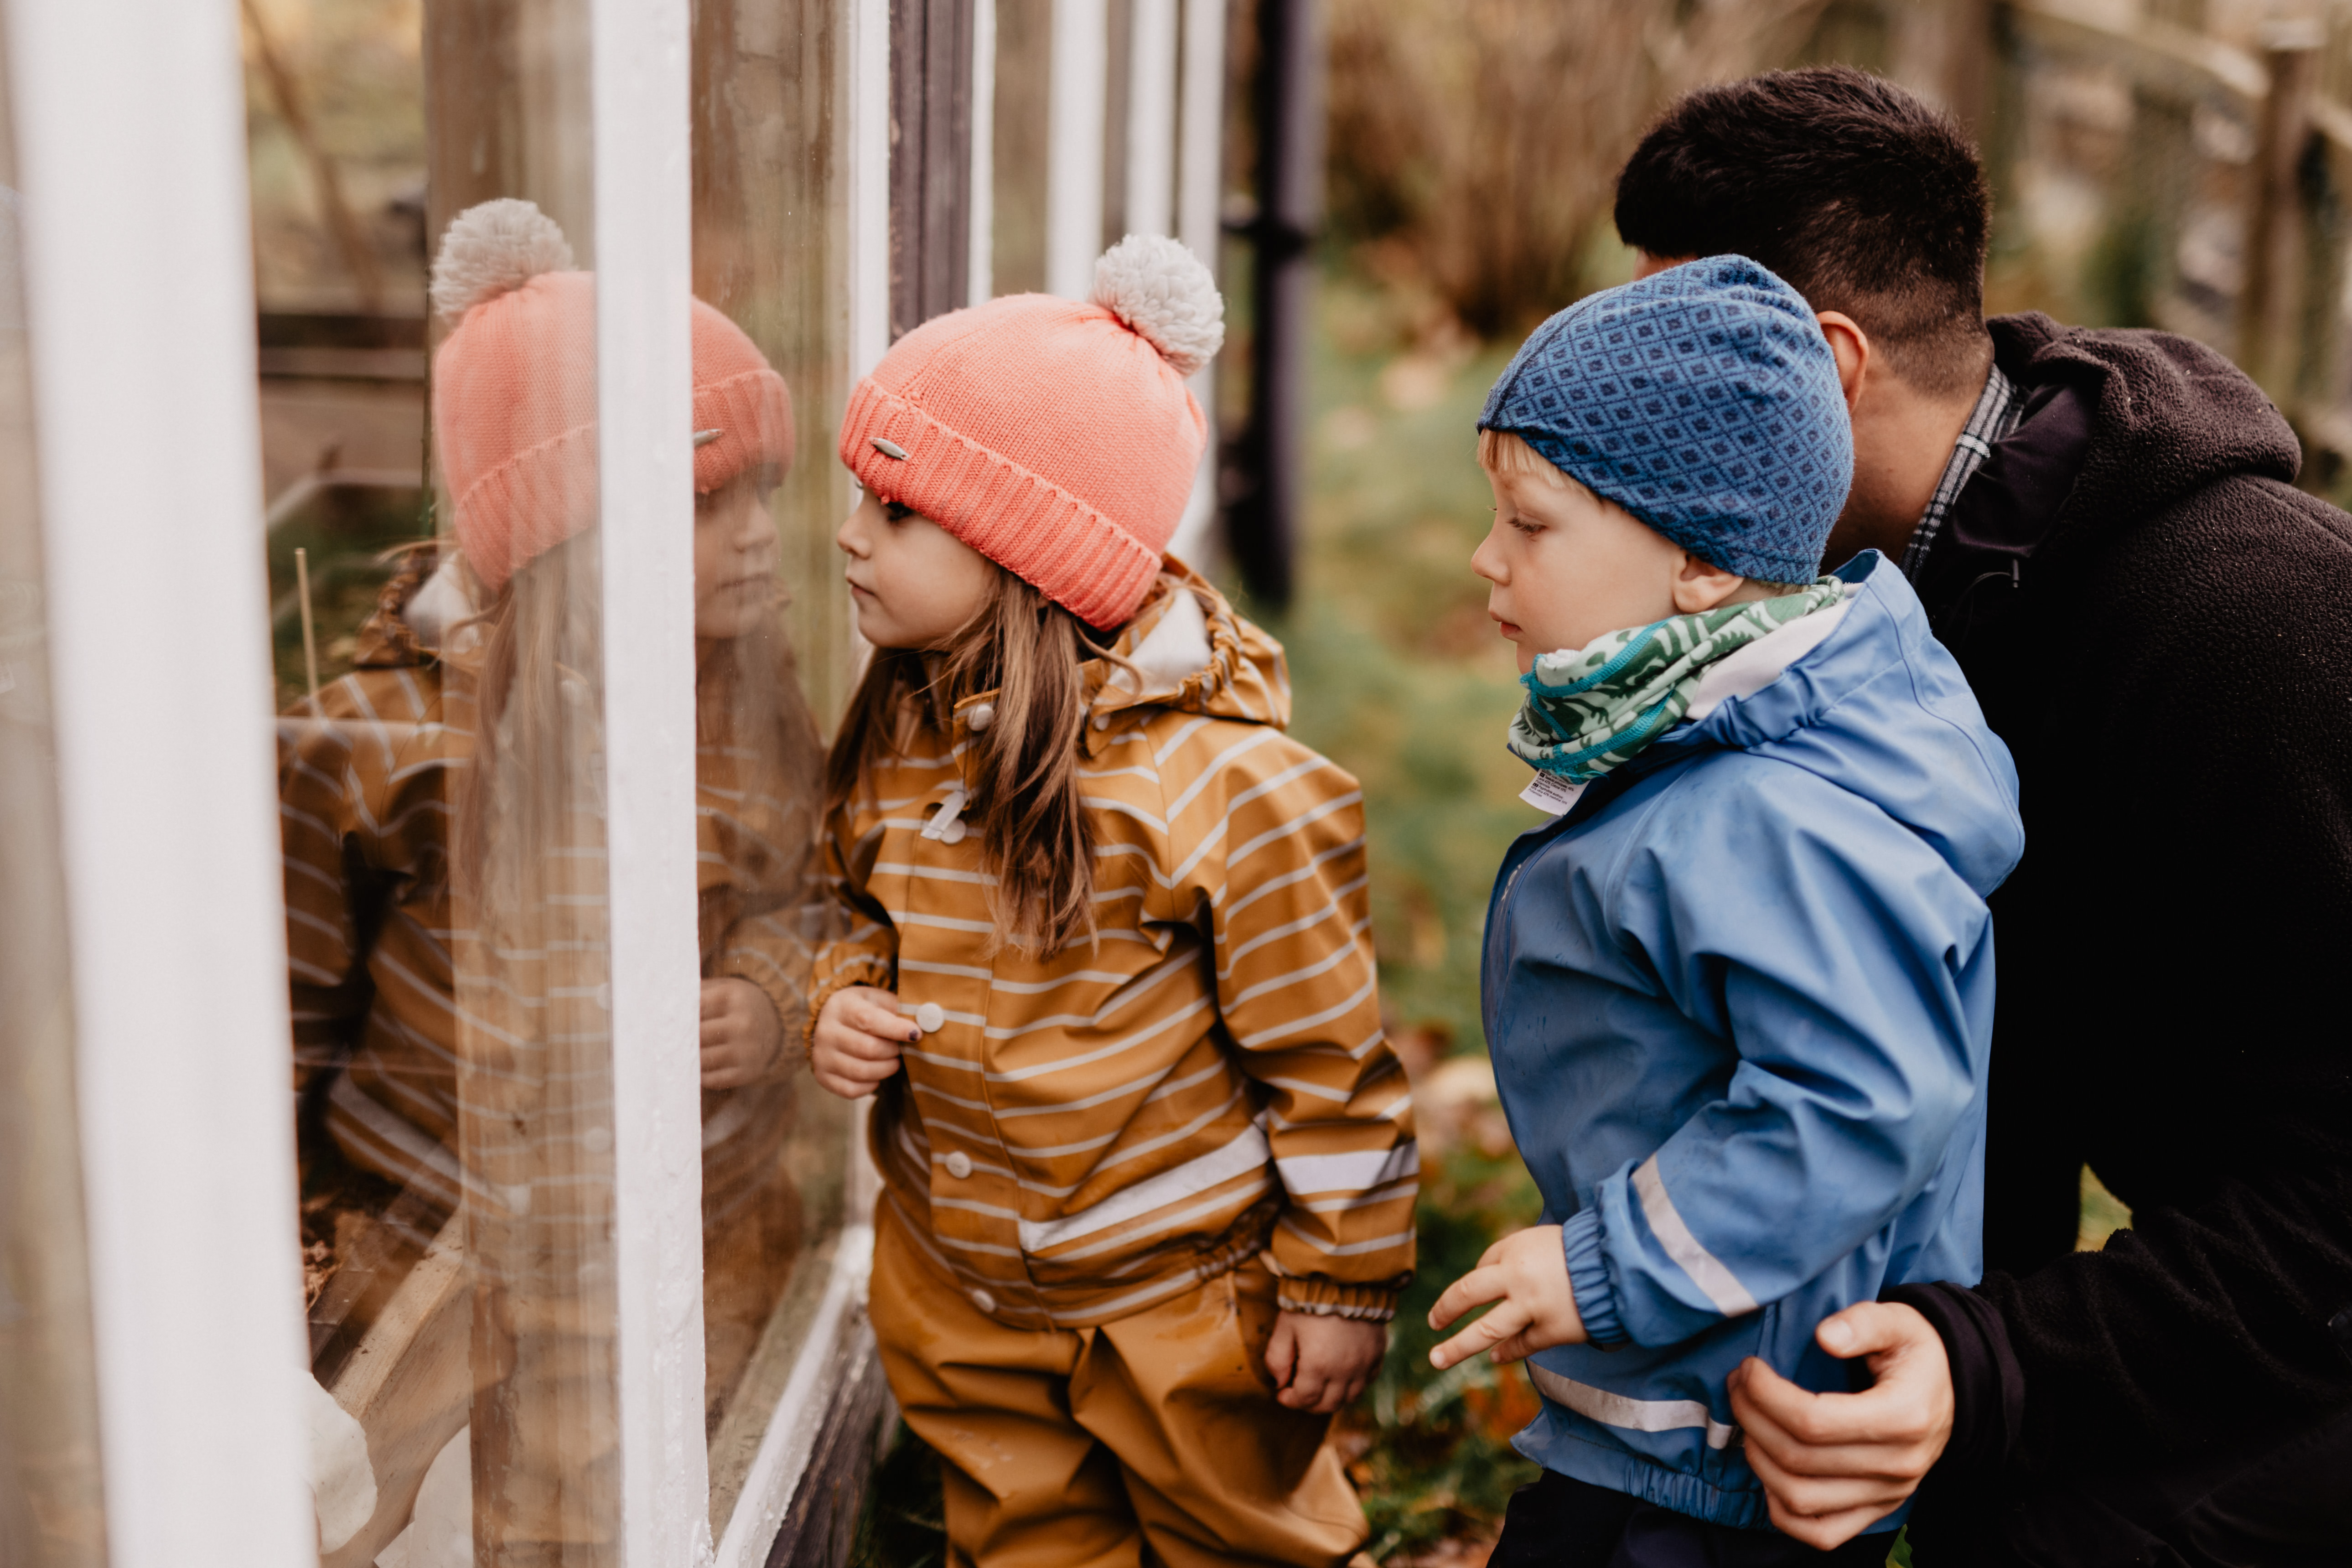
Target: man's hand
column 1320, row 1363
column 1835, row 1464
column 740, row 1034
column 1526, row 1272
column 855, row 1046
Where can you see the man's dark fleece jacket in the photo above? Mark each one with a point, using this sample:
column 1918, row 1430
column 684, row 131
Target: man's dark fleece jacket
column 2159, row 625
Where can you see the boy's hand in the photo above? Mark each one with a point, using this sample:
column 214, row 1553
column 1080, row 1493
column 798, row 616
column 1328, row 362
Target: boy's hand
column 854, row 1047
column 1320, row 1363
column 1526, row 1273
column 740, row 1034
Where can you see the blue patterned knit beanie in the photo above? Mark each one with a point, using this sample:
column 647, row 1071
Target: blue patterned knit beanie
column 1705, row 401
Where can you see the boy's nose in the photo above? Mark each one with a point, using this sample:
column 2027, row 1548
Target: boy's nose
column 1485, row 563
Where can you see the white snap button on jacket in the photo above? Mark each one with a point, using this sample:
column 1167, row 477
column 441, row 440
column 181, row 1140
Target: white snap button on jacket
column 929, row 1017
column 1102, row 720
column 954, row 831
column 979, row 717
column 983, row 1301
column 959, row 1165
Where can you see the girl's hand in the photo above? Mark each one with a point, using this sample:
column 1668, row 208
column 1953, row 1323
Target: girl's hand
column 1320, row 1363
column 858, row 1035
column 1526, row 1273
column 740, row 1034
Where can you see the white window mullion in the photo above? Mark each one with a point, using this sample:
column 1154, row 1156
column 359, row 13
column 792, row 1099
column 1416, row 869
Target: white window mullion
column 641, row 108
column 981, row 267
column 867, row 172
column 1199, row 223
column 868, row 176
column 1075, row 107
column 131, row 125
column 1200, row 169
column 1151, row 118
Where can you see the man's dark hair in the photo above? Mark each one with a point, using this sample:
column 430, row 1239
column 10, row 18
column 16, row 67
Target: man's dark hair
column 1864, row 199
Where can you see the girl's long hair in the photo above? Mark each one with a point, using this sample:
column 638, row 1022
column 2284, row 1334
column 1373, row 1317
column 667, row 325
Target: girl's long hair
column 1035, row 839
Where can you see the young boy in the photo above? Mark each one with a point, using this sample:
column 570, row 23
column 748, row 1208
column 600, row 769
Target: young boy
column 1740, row 992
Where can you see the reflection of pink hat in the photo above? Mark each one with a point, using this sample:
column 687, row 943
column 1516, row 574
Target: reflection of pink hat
column 1056, row 438
column 514, row 390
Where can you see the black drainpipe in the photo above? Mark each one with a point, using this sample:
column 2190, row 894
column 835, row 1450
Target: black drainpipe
column 1261, row 514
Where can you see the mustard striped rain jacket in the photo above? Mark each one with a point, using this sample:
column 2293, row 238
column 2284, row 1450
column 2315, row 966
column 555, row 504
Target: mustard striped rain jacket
column 1076, row 1137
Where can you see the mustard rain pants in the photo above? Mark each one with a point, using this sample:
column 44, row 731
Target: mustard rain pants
column 1152, row 1440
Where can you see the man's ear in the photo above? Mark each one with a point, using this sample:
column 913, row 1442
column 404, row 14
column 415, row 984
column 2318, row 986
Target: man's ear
column 1701, row 585
column 1851, row 344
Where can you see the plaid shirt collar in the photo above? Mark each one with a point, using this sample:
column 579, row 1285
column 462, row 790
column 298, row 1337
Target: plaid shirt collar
column 1993, row 419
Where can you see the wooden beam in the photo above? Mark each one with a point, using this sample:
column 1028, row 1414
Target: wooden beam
column 2273, row 250
column 2155, row 52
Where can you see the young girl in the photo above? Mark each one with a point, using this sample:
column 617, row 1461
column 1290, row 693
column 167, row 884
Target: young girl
column 1147, row 1163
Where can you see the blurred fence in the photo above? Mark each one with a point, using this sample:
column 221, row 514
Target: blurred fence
column 2161, row 166
column 2178, row 163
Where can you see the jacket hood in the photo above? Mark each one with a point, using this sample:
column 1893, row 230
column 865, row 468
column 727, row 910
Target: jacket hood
column 425, row 600
column 1878, row 709
column 2167, row 415
column 1187, row 649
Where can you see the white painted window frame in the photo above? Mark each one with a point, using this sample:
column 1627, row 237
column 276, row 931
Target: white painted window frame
column 131, row 133
column 980, row 268
column 1200, row 176
column 641, row 107
column 1076, row 94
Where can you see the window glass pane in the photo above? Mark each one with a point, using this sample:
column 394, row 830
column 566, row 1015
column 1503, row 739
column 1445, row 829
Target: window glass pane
column 769, row 255
column 433, row 564
column 440, row 663
column 50, row 1511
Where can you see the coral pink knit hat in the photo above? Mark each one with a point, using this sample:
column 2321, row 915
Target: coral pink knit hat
column 514, row 390
column 1056, row 438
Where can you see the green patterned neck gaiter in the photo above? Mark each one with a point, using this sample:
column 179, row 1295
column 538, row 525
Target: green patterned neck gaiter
column 1593, row 708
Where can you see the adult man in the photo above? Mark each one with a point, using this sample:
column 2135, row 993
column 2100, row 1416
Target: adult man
column 2104, row 530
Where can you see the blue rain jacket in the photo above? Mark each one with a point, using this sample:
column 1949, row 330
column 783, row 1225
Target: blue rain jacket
column 1739, row 1002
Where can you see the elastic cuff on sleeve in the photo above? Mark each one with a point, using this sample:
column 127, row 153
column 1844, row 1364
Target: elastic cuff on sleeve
column 1587, row 1276
column 792, row 1027
column 1321, row 1298
column 864, row 969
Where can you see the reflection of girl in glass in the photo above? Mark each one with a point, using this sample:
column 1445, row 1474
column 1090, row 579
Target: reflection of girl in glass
column 468, row 739
column 1147, row 1164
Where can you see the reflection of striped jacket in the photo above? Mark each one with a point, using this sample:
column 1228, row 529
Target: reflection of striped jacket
column 366, row 787
column 1080, row 1136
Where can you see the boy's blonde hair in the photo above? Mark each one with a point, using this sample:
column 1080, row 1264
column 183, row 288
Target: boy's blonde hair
column 1501, row 452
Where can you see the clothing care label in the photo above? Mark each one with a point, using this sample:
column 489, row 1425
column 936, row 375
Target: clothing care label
column 1551, row 793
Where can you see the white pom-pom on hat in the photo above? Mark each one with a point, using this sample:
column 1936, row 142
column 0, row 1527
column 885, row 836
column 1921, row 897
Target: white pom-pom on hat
column 1161, row 289
column 492, row 248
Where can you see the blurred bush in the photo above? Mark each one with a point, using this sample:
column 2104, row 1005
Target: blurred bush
column 1475, row 144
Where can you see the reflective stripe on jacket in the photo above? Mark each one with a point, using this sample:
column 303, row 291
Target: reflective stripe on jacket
column 1075, row 1138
